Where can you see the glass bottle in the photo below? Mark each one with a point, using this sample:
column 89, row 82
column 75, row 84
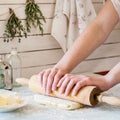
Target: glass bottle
column 2, row 79
column 15, row 61
column 6, row 73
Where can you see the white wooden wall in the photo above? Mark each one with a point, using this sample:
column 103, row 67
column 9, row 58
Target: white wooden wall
column 39, row 52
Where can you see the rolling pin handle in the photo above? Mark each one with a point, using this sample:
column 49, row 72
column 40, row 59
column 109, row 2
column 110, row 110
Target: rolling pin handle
column 22, row 81
column 109, row 100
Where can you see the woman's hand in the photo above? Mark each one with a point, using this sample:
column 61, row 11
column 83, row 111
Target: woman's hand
column 74, row 82
column 49, row 79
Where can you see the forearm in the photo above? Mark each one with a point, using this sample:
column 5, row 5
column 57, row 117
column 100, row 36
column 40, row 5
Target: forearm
column 94, row 35
column 91, row 38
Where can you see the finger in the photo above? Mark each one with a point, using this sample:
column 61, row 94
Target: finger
column 50, row 80
column 76, row 88
column 40, row 78
column 70, row 86
column 63, row 78
column 79, row 85
column 60, row 82
column 56, row 80
column 64, row 85
column 45, row 78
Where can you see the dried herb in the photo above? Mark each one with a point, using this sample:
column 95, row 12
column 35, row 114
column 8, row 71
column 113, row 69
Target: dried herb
column 34, row 16
column 14, row 28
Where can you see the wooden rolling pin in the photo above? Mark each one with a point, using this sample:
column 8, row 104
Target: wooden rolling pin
column 89, row 95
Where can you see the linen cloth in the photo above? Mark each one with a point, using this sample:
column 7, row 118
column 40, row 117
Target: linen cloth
column 70, row 19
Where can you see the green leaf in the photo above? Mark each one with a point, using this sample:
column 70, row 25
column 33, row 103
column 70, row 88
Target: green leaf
column 34, row 16
column 13, row 28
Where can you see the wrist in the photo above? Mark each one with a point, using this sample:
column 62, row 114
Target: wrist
column 62, row 68
column 110, row 80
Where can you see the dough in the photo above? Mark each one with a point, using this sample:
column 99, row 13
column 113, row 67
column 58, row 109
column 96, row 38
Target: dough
column 9, row 98
column 7, row 101
column 56, row 102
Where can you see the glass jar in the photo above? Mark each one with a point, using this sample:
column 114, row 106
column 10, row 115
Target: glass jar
column 15, row 61
column 6, row 74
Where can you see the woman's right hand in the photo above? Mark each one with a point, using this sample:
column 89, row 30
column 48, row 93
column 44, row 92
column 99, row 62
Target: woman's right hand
column 49, row 79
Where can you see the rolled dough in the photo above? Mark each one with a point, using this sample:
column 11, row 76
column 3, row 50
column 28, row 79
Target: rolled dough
column 56, row 102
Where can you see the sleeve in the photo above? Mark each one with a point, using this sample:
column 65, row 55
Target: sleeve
column 116, row 4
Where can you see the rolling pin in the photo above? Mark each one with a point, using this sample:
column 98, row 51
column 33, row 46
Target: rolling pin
column 89, row 95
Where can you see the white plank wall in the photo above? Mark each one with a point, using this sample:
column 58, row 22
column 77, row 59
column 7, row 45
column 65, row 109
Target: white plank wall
column 39, row 52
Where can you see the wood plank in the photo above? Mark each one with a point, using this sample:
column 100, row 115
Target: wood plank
column 97, row 7
column 97, row 1
column 48, row 42
column 23, row 1
column 32, row 43
column 47, row 10
column 48, row 13
column 114, row 37
column 20, row 8
column 46, row 27
column 97, row 65
column 108, row 50
column 85, row 66
column 28, row 72
column 37, row 58
column 38, row 1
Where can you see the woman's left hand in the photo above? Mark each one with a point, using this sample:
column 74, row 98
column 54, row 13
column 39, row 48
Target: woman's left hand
column 73, row 83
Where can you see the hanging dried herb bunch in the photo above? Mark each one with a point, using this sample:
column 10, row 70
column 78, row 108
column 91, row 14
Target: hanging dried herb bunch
column 34, row 16
column 14, row 28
